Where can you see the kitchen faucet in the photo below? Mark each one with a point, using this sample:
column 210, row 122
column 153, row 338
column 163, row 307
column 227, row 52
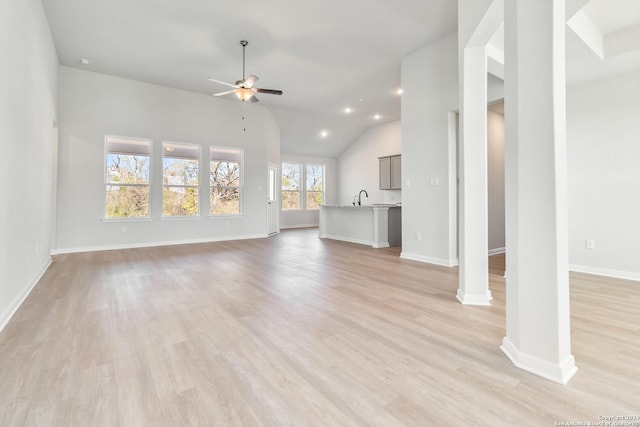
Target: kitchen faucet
column 360, row 194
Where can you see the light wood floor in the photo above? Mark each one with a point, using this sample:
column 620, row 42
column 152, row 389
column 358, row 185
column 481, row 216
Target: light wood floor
column 296, row 331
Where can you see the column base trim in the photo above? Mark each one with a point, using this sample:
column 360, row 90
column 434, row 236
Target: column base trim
column 378, row 245
column 559, row 373
column 468, row 299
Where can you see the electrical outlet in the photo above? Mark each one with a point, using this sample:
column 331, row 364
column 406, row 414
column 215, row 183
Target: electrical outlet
column 434, row 182
column 124, row 229
column 590, row 244
column 418, row 236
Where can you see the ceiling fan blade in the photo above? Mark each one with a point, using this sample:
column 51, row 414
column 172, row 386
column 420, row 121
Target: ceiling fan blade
column 253, row 99
column 269, row 91
column 250, row 81
column 222, row 83
column 223, row 93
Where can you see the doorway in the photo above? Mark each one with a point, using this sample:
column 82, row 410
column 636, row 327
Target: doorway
column 495, row 184
column 273, row 207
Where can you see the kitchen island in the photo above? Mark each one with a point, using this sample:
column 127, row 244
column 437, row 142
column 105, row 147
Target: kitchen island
column 379, row 226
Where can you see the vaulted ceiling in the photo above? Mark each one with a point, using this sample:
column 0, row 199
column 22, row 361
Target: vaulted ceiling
column 326, row 56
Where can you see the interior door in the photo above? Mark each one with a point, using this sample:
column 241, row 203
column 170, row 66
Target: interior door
column 273, row 208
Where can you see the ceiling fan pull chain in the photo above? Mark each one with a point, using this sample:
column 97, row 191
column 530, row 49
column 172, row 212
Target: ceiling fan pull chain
column 244, row 122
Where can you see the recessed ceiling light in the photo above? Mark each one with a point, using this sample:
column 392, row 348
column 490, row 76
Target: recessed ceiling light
column 84, row 61
column 399, row 91
column 363, row 99
column 324, row 134
column 348, row 110
column 376, row 117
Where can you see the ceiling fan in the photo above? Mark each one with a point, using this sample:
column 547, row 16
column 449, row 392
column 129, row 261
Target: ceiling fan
column 244, row 89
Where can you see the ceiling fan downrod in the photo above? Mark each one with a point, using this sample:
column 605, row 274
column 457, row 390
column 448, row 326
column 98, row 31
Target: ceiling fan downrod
column 244, row 44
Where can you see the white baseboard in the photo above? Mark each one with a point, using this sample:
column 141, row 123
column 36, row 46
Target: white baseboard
column 286, row 227
column 468, row 299
column 21, row 297
column 560, row 373
column 347, row 239
column 154, row 244
column 497, row 251
column 381, row 245
column 429, row 260
column 627, row 275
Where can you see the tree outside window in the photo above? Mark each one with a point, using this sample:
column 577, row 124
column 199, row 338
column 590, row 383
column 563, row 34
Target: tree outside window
column 127, row 177
column 180, row 179
column 291, row 199
column 302, row 186
column 315, row 186
column 224, row 180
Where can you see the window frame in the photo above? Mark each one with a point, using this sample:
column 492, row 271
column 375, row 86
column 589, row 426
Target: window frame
column 303, row 185
column 106, row 183
column 300, row 185
column 240, row 186
column 306, row 190
column 197, row 186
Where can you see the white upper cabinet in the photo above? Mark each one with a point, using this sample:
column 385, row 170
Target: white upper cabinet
column 390, row 173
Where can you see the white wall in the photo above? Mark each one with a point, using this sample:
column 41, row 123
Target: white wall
column 94, row 105
column 358, row 166
column 311, row 218
column 430, row 85
column 495, row 180
column 495, row 88
column 27, row 113
column 603, row 143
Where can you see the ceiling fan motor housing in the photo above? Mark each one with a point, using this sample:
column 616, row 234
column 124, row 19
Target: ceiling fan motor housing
column 244, row 89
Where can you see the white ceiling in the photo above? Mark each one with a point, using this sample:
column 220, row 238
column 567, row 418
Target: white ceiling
column 325, row 55
column 613, row 15
column 617, row 26
column 610, row 19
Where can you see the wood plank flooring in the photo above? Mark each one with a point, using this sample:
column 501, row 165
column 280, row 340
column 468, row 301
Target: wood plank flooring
column 296, row 331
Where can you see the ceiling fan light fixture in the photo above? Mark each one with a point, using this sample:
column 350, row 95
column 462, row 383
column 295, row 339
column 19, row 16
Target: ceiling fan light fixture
column 244, row 88
column 243, row 93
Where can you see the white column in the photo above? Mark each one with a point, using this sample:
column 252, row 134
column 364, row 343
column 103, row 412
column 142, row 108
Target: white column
column 474, row 265
column 322, row 226
column 537, row 286
column 380, row 226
